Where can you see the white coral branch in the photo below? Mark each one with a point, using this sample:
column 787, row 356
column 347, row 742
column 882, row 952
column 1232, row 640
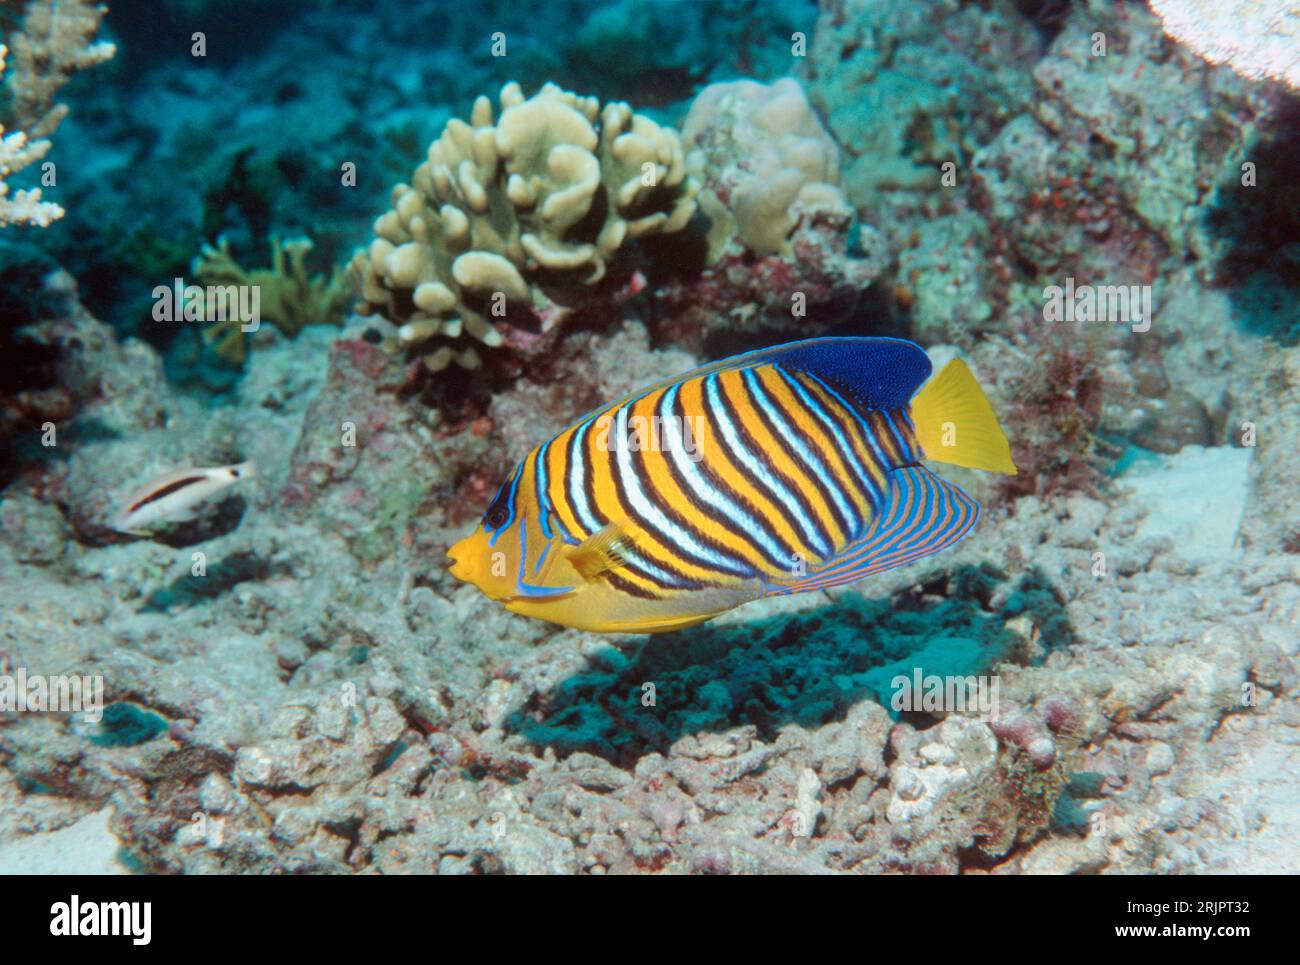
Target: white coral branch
column 56, row 41
column 16, row 153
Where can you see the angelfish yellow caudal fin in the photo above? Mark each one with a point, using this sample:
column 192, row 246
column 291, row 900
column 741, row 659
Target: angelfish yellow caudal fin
column 955, row 423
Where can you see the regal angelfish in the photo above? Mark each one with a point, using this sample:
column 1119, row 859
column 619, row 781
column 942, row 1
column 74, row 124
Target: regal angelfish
column 778, row 471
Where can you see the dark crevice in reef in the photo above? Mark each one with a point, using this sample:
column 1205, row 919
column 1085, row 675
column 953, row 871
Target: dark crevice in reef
column 222, row 576
column 1260, row 226
column 1047, row 16
column 30, row 393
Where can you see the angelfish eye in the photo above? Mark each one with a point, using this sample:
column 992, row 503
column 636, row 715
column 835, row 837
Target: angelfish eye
column 499, row 512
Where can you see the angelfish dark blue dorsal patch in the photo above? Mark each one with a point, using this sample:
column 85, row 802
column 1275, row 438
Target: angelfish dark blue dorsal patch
column 876, row 373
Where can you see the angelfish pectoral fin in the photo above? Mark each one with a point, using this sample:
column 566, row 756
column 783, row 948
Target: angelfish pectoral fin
column 601, row 553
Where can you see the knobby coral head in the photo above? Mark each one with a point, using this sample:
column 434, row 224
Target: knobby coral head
column 515, row 214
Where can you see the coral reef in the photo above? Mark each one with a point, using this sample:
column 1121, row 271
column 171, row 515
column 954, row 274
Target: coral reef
column 514, row 213
column 1064, row 180
column 905, row 89
column 1162, row 162
column 294, row 683
column 289, row 297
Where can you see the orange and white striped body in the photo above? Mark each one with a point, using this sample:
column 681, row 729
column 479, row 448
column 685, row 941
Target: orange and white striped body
column 773, row 472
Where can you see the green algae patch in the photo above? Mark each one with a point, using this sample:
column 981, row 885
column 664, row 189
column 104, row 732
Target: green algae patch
column 126, row 725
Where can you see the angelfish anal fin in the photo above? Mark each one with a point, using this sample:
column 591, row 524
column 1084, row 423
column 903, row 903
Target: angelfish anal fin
column 601, row 552
column 924, row 515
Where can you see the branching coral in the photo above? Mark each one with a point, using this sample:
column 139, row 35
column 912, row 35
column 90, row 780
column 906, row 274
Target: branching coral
column 56, row 42
column 509, row 211
column 16, row 153
column 288, row 296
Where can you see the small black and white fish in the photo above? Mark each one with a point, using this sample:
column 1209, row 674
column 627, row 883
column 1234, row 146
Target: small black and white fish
column 174, row 496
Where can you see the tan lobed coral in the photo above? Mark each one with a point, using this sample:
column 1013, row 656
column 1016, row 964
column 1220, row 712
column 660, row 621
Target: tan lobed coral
column 509, row 208
column 56, row 41
column 765, row 159
column 289, row 298
column 785, row 252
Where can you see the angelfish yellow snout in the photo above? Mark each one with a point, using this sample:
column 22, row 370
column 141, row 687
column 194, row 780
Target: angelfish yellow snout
column 458, row 556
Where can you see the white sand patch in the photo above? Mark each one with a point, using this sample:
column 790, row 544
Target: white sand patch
column 85, row 848
column 1196, row 498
